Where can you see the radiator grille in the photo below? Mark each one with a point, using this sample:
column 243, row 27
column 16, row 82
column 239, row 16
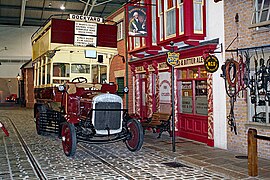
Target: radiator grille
column 107, row 115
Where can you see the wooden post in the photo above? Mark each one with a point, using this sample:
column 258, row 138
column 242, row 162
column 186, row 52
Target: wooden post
column 252, row 153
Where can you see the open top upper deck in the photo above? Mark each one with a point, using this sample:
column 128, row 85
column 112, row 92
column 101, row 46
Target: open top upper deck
column 65, row 49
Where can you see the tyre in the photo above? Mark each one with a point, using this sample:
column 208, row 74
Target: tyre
column 134, row 141
column 69, row 140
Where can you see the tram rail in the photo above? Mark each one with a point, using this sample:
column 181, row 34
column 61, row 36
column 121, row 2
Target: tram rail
column 37, row 169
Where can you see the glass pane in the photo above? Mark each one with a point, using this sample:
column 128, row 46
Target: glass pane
column 170, row 20
column 186, row 103
column 61, row 70
column 120, row 83
column 182, row 18
column 49, row 73
column 94, row 73
column 103, row 74
column 197, row 17
column 259, row 4
column 80, row 68
column 203, row 73
column 184, row 74
column 43, row 75
column 193, row 73
column 264, row 15
column 161, row 26
column 39, row 74
column 266, row 4
column 154, row 26
column 201, row 103
column 160, row 10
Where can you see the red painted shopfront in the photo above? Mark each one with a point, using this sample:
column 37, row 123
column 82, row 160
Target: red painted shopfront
column 193, row 98
column 184, row 23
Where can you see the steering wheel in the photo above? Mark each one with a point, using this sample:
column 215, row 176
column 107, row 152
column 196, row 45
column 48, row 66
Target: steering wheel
column 79, row 80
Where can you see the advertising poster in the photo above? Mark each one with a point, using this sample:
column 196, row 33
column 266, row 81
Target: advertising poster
column 165, row 88
column 137, row 21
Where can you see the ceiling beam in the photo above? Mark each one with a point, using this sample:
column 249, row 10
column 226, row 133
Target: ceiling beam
column 85, row 8
column 33, row 8
column 91, row 8
column 22, row 12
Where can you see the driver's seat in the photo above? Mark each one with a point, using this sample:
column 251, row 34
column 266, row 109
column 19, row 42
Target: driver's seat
column 71, row 88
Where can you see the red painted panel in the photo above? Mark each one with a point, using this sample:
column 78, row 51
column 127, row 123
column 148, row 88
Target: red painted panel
column 198, row 126
column 190, row 126
column 193, row 127
column 62, row 31
column 107, row 35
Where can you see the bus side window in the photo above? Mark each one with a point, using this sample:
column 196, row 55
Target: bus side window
column 56, row 70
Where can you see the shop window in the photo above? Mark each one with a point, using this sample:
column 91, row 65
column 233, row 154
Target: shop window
column 61, row 70
column 192, row 90
column 120, row 83
column 186, row 100
column 198, row 15
column 201, row 103
column 261, row 13
column 80, row 68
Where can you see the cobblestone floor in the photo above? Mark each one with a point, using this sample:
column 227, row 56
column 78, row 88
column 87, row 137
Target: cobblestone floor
column 109, row 161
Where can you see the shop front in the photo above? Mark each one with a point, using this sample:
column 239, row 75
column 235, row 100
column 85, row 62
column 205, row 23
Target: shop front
column 193, row 91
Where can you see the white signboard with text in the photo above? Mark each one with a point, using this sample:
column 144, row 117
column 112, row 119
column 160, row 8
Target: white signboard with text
column 84, row 28
column 85, row 41
column 165, row 87
column 77, row 17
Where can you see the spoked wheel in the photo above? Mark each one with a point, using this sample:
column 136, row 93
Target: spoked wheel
column 38, row 123
column 69, row 140
column 135, row 140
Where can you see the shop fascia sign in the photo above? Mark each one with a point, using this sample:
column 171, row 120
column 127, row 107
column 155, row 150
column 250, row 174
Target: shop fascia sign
column 77, row 17
column 193, row 61
column 187, row 62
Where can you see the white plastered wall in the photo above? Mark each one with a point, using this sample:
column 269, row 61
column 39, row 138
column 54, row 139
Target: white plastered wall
column 17, row 41
column 215, row 29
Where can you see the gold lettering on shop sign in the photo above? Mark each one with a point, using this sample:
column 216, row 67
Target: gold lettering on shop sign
column 150, row 67
column 139, row 69
column 193, row 61
column 162, row 66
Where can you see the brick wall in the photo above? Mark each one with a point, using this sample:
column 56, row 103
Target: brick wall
column 118, row 68
column 247, row 38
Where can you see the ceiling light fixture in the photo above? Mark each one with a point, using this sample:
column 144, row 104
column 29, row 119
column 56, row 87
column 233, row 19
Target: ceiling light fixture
column 62, row 7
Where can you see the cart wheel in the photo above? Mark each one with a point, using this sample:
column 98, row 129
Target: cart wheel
column 69, row 140
column 135, row 130
column 38, row 123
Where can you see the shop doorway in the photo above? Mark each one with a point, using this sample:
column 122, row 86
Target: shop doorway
column 193, row 104
column 143, row 103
